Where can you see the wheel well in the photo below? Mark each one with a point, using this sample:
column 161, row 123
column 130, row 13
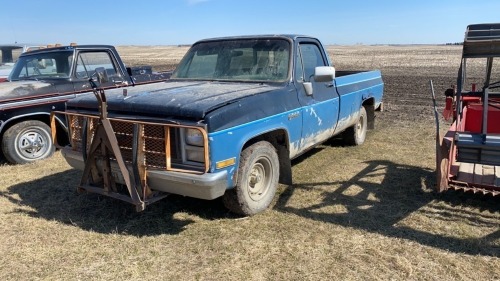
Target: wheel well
column 369, row 106
column 61, row 138
column 278, row 139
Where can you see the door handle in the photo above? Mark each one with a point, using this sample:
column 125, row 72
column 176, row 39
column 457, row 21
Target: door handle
column 329, row 85
column 118, row 82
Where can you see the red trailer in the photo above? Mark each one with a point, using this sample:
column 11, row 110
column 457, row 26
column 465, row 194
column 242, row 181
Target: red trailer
column 468, row 156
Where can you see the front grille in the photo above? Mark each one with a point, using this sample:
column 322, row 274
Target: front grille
column 159, row 145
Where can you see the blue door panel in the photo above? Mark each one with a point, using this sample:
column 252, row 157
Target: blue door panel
column 319, row 121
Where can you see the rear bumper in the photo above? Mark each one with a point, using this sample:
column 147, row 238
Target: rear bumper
column 205, row 186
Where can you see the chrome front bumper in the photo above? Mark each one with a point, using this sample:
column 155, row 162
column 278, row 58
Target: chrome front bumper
column 205, row 186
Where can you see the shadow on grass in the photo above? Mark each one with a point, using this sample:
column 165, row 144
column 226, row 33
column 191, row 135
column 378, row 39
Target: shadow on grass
column 55, row 198
column 383, row 207
column 377, row 207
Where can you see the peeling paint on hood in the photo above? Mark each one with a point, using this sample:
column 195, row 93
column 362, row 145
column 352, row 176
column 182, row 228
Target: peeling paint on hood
column 184, row 99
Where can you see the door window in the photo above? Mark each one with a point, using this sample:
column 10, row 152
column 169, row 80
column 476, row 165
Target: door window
column 311, row 57
column 88, row 61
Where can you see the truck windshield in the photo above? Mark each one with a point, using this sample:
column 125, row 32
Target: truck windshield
column 43, row 65
column 239, row 60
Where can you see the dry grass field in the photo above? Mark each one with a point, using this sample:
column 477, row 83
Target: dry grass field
column 353, row 213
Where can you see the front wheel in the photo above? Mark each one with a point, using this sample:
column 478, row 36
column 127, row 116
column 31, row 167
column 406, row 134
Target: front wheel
column 258, row 176
column 356, row 134
column 27, row 141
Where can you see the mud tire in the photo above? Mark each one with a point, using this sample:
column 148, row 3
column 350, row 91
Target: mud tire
column 356, row 134
column 258, row 176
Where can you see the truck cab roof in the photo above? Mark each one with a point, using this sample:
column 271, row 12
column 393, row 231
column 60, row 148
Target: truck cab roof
column 62, row 48
column 285, row 36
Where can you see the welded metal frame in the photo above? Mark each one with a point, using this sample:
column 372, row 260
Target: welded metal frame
column 481, row 41
column 98, row 176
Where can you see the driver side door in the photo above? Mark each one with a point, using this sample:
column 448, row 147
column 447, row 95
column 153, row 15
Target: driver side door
column 86, row 63
column 319, row 109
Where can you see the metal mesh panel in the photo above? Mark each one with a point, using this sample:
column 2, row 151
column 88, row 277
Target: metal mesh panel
column 152, row 140
column 76, row 124
column 92, row 126
column 154, row 145
column 124, row 133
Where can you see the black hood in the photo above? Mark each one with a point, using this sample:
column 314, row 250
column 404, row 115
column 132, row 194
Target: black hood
column 20, row 90
column 173, row 99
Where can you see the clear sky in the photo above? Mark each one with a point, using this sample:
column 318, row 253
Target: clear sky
column 174, row 22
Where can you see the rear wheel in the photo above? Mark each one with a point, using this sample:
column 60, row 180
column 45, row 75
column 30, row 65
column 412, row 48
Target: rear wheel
column 258, row 176
column 27, row 141
column 356, row 134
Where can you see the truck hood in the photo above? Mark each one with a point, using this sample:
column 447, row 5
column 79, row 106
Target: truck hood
column 5, row 70
column 19, row 90
column 173, row 99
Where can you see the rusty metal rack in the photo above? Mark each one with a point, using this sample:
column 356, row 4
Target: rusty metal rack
column 117, row 153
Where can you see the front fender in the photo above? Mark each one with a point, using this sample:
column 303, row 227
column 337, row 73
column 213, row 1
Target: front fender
column 42, row 116
column 228, row 143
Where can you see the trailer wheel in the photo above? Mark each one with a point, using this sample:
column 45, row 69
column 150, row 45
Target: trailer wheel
column 356, row 134
column 27, row 141
column 258, row 176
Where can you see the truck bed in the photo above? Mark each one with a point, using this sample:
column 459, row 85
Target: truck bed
column 351, row 82
column 340, row 73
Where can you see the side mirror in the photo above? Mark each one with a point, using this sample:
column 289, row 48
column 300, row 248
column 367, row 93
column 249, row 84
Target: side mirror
column 102, row 75
column 321, row 74
column 324, row 73
column 308, row 87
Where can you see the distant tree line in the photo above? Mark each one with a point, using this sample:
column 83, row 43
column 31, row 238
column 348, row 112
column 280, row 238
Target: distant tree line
column 456, row 44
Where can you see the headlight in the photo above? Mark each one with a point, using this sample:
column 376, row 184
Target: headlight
column 195, row 154
column 194, row 137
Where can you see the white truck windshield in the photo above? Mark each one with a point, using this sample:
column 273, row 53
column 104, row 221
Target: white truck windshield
column 43, row 65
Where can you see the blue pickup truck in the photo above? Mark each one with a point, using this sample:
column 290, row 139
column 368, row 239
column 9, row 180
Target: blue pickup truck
column 233, row 115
